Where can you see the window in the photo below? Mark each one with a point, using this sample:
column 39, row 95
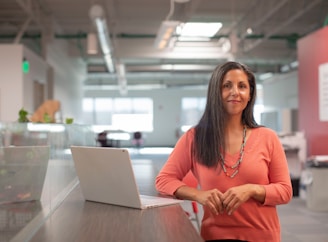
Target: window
column 128, row 114
column 88, row 108
column 192, row 110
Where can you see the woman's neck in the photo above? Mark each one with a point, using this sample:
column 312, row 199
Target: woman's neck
column 234, row 125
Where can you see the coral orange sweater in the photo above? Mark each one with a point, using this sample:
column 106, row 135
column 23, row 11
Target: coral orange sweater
column 264, row 162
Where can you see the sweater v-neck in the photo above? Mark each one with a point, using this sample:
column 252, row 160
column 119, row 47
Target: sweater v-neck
column 232, row 158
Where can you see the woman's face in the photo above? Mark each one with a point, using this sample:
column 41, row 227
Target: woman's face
column 235, row 92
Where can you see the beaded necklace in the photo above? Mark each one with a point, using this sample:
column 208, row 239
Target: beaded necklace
column 234, row 167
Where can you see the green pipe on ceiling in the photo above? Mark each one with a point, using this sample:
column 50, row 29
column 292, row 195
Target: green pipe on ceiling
column 142, row 36
column 290, row 38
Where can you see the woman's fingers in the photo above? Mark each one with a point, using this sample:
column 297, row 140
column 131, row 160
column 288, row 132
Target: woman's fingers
column 234, row 197
column 216, row 201
column 219, row 203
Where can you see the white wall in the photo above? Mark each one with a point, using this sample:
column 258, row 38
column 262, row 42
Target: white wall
column 16, row 88
column 69, row 75
column 38, row 72
column 280, row 96
column 281, row 92
column 13, row 95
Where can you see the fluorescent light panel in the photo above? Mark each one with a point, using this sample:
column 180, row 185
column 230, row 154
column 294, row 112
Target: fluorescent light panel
column 265, row 76
column 193, row 39
column 200, row 29
column 187, row 32
column 294, row 64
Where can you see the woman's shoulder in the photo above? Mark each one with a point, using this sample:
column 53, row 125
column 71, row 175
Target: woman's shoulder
column 188, row 135
column 263, row 131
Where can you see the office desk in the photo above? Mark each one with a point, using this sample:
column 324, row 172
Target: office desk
column 79, row 220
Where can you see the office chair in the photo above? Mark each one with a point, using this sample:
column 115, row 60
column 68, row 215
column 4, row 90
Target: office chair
column 191, row 181
column 103, row 140
column 137, row 139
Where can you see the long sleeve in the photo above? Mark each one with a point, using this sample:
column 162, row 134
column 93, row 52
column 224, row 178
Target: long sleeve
column 279, row 190
column 177, row 166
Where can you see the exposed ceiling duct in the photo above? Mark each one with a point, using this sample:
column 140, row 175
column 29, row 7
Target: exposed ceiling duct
column 132, row 27
column 179, row 10
column 98, row 18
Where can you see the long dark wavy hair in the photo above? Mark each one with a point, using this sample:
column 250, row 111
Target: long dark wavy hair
column 209, row 132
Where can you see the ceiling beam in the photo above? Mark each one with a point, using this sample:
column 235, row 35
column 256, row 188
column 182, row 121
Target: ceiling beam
column 22, row 30
column 298, row 14
column 266, row 16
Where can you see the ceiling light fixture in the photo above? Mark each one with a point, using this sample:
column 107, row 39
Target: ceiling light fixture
column 192, row 29
column 249, row 31
column 224, row 44
column 165, row 33
column 97, row 16
column 294, row 64
column 265, row 76
column 121, row 79
column 169, row 30
column 289, row 67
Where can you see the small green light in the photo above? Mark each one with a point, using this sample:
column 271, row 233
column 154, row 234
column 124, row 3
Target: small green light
column 25, row 66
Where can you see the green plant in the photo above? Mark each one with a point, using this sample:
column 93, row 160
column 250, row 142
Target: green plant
column 69, row 120
column 22, row 116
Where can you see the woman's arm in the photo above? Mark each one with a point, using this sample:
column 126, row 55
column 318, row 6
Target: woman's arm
column 279, row 190
column 179, row 163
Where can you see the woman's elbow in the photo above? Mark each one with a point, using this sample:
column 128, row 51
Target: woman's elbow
column 158, row 184
column 288, row 195
column 161, row 184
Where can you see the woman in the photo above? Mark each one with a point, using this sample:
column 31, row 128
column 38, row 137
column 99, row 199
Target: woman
column 240, row 166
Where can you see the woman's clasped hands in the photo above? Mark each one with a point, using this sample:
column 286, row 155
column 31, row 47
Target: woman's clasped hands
column 226, row 202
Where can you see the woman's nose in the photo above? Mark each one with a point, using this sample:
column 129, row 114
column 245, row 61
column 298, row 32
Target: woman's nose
column 234, row 90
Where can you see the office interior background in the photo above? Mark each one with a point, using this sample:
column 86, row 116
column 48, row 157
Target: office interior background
column 107, row 63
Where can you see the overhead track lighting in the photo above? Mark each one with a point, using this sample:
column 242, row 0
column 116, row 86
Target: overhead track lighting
column 97, row 16
column 165, row 33
column 122, row 82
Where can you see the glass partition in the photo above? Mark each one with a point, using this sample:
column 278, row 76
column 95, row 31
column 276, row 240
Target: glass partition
column 36, row 173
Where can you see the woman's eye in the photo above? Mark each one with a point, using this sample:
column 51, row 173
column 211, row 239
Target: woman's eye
column 227, row 85
column 242, row 86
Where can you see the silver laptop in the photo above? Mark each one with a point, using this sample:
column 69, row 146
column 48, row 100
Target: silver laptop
column 22, row 172
column 106, row 175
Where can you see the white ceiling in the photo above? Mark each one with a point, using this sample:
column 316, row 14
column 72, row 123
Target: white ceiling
column 133, row 25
